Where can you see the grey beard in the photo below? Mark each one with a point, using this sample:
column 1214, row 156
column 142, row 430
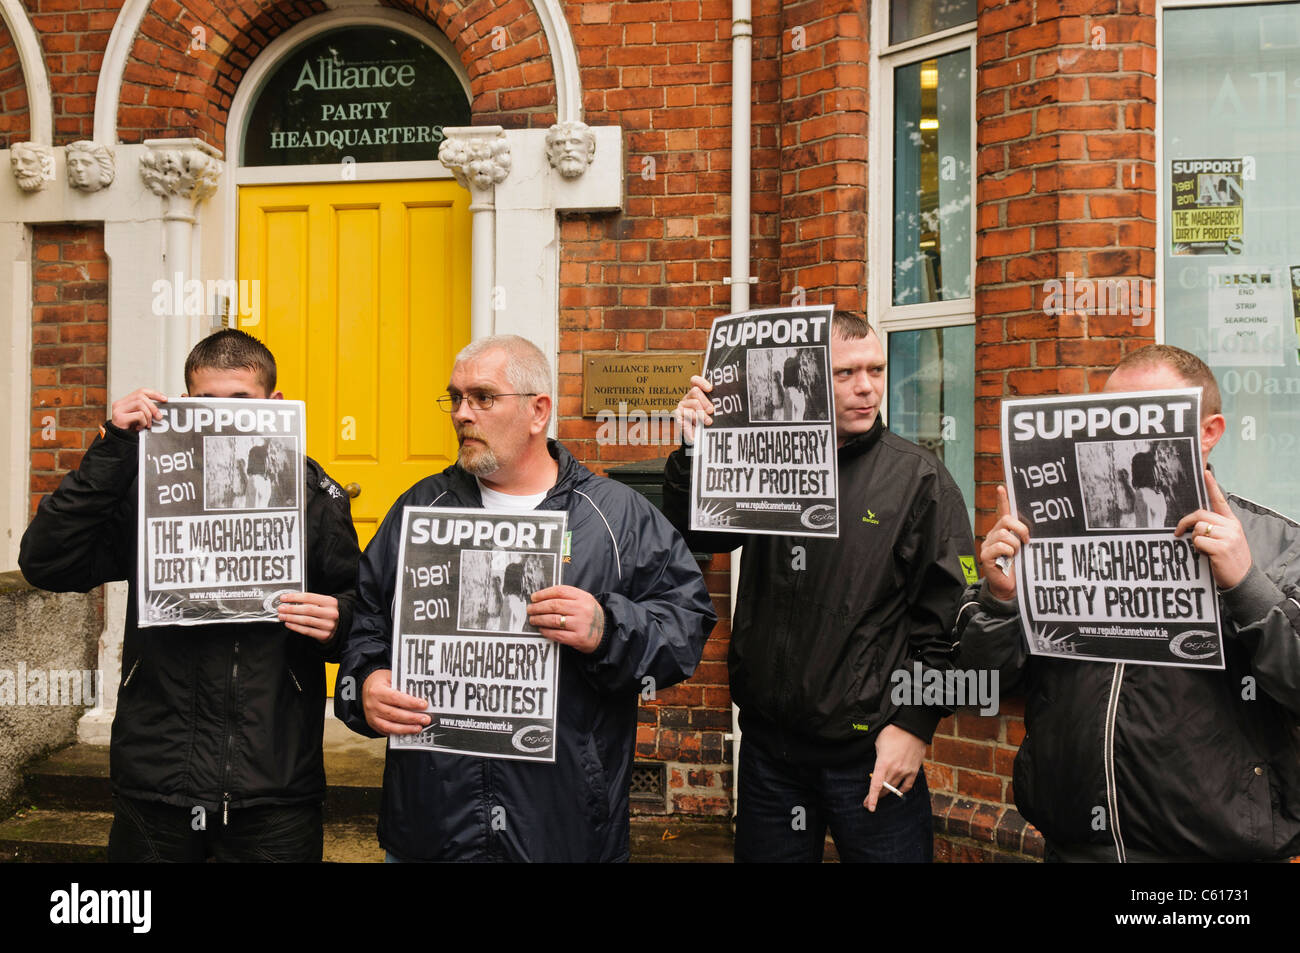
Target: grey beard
column 485, row 462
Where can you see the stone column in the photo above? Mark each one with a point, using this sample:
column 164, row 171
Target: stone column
column 479, row 158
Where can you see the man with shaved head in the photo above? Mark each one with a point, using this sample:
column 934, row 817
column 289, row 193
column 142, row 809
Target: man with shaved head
column 1125, row 762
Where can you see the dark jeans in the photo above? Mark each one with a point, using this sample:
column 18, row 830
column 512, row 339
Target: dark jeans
column 786, row 808
column 153, row 832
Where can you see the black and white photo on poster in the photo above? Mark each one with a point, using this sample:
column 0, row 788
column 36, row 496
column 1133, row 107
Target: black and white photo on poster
column 1137, row 484
column 461, row 635
column 247, row 473
column 767, row 463
column 495, row 587
column 787, row 384
column 216, row 544
column 1102, row 482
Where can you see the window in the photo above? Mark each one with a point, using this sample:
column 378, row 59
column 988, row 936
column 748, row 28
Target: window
column 922, row 299
column 1230, row 131
column 364, row 94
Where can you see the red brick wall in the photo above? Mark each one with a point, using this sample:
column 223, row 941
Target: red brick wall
column 510, row 86
column 73, row 36
column 651, row 278
column 69, row 348
column 15, row 123
column 1066, row 185
column 823, row 134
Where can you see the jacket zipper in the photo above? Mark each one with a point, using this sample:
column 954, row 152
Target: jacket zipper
column 1108, row 762
column 230, row 736
column 295, row 680
column 131, row 674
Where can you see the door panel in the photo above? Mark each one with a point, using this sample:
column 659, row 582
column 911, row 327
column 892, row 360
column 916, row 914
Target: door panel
column 364, row 300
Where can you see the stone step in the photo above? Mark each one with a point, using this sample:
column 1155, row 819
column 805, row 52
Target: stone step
column 73, row 801
column 55, row 836
column 69, row 836
column 76, row 778
column 62, row 836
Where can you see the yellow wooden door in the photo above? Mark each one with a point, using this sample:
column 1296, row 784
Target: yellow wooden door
column 364, row 300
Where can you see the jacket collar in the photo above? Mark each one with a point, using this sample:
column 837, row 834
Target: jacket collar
column 858, row 445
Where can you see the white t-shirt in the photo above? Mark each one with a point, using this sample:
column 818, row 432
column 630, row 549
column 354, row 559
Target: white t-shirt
column 509, row 502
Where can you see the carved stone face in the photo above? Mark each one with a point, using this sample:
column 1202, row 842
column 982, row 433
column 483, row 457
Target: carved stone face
column 32, row 165
column 570, row 147
column 90, row 166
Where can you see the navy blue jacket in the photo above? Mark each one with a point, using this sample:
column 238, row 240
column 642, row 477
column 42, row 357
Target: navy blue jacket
column 657, row 617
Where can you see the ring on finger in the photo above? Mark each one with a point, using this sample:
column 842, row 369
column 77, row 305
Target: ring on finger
column 562, row 618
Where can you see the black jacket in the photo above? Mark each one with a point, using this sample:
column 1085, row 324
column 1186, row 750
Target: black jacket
column 225, row 715
column 657, row 617
column 1136, row 762
column 821, row 625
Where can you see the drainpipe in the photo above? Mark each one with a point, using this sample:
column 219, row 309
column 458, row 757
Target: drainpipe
column 742, row 44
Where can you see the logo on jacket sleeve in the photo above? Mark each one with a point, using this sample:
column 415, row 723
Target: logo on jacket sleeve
column 871, row 518
column 968, row 570
column 566, row 548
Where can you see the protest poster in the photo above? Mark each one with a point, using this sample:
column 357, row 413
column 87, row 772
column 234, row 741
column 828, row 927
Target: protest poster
column 1295, row 305
column 1247, row 317
column 1208, row 198
column 220, row 511
column 1102, row 481
column 768, row 463
column 461, row 636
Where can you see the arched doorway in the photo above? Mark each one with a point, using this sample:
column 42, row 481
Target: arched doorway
column 355, row 248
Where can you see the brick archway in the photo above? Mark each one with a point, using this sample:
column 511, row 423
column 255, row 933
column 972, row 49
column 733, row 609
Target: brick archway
column 182, row 71
column 15, row 125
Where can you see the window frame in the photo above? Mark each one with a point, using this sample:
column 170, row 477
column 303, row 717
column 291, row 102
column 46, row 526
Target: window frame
column 1162, row 176
column 886, row 317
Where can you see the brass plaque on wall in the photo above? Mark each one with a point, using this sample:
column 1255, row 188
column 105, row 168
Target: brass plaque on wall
column 649, row 380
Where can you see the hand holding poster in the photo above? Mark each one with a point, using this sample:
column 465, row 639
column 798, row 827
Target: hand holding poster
column 1102, row 481
column 461, row 636
column 768, row 462
column 220, row 511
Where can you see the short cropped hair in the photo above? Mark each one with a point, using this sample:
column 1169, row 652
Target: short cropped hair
column 230, row 350
column 851, row 325
column 527, row 369
column 1183, row 363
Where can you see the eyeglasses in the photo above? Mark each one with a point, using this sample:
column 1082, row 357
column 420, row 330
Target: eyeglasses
column 478, row 400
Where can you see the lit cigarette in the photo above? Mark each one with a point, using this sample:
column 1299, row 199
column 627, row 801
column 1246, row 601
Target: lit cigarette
column 889, row 787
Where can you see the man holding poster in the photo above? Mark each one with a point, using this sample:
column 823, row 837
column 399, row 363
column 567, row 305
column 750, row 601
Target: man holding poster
column 1135, row 762
column 216, row 746
column 828, row 629
column 631, row 615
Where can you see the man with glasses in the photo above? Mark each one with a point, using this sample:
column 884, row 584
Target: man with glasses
column 633, row 612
